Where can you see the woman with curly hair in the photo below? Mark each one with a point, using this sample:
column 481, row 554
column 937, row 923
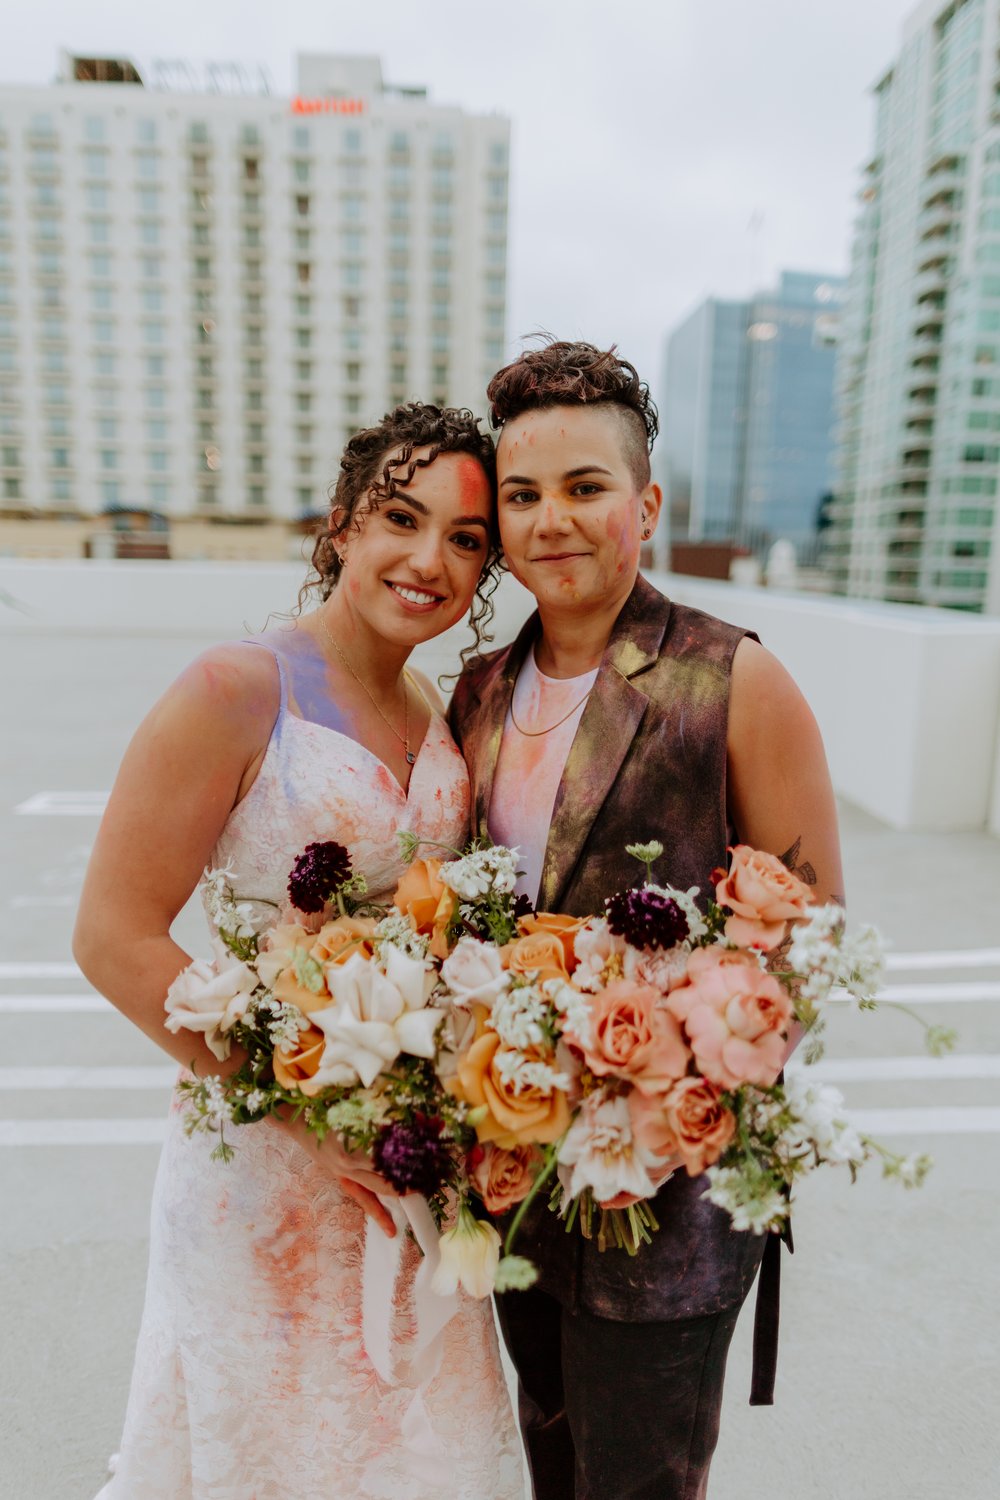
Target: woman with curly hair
column 252, row 1375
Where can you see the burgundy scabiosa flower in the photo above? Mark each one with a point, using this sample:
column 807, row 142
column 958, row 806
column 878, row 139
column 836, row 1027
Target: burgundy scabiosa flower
column 412, row 1157
column 646, row 918
column 317, row 873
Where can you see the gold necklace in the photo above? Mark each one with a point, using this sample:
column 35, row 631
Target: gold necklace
column 404, row 738
column 535, row 734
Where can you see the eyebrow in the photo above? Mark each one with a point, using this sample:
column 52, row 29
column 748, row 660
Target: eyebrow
column 418, row 505
column 569, row 474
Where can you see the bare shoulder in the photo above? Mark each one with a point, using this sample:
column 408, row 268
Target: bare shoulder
column 234, row 686
column 763, row 692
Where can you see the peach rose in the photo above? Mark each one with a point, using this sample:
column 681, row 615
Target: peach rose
column 419, row 893
column 276, row 966
column 504, row 1178
column 702, row 1126
column 294, row 1066
column 633, row 1037
column 540, row 952
column 513, row 1119
column 762, row 895
column 735, row 1016
column 337, row 940
column 564, row 928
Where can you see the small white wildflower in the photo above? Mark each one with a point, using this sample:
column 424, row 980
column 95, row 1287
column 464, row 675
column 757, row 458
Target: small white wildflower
column 397, row 931
column 756, row 1206
column 573, row 1007
column 287, row 1023
column 216, row 1106
column 483, row 871
column 255, row 1101
column 519, row 1017
column 528, row 1073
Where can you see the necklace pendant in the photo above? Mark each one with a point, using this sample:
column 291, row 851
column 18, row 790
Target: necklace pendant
column 410, row 758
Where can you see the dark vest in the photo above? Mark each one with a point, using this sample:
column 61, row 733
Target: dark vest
column 648, row 762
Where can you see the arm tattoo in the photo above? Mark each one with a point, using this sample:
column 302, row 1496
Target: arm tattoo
column 790, row 859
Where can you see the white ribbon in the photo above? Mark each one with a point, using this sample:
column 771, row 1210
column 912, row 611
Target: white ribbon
column 426, row 1453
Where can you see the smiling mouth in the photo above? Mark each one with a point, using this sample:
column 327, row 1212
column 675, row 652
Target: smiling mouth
column 415, row 596
column 558, row 556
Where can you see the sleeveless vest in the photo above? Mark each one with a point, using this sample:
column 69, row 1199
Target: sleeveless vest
column 648, row 762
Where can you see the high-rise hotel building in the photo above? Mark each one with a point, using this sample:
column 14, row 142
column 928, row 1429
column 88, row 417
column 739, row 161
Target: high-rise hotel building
column 205, row 290
column 916, row 517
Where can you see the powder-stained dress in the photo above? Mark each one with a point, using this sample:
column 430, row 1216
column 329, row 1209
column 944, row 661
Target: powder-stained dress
column 252, row 1380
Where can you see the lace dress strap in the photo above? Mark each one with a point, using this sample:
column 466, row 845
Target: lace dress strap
column 282, row 675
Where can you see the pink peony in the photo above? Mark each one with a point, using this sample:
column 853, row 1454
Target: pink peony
column 734, row 1015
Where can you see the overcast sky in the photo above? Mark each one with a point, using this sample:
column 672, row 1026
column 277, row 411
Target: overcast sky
column 648, row 135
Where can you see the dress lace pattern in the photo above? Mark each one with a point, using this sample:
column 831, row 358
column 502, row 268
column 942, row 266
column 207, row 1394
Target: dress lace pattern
column 251, row 1380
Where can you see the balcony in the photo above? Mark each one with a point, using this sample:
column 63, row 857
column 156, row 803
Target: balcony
column 932, row 283
column 926, row 352
column 928, row 325
column 920, row 414
column 939, row 222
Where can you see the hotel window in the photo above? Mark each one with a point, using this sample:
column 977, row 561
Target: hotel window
column 60, row 458
column 255, row 463
column 111, row 492
column 100, row 298
column 158, row 494
column 93, row 129
column 250, row 172
column 256, row 495
column 303, row 306
column 11, row 488
column 302, row 205
column 154, row 366
column 300, row 137
column 255, row 432
column 156, row 398
column 158, row 461
column 95, row 163
column 303, row 401
column 100, row 263
column 108, row 458
column 303, row 338
column 61, row 489
column 103, row 331
column 149, row 200
column 303, row 370
column 149, row 233
column 156, row 430
column 147, row 164
column 96, row 196
column 300, row 171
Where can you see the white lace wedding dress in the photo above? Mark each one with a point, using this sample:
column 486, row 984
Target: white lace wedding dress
column 252, row 1380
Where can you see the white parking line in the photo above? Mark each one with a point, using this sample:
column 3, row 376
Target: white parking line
column 63, row 805
column 60, row 1079
column 27, row 970
column 960, row 1120
column 976, row 1120
column 82, row 1132
column 61, row 1005
column 959, row 958
column 899, row 1069
column 963, row 992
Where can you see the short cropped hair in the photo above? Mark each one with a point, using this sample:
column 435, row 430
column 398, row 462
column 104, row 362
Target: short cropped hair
column 579, row 374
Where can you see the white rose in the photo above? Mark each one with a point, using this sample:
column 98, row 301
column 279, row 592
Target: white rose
column 473, row 972
column 373, row 1018
column 210, row 996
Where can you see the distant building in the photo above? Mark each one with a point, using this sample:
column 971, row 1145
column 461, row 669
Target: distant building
column 915, row 516
column 747, row 398
column 204, row 289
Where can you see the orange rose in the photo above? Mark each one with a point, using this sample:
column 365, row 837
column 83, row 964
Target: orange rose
column 504, row 1178
column 293, row 1066
column 276, row 966
column 513, row 1119
column 419, row 893
column 564, row 928
column 540, row 952
column 702, row 1126
column 337, row 940
column 762, row 895
column 634, row 1038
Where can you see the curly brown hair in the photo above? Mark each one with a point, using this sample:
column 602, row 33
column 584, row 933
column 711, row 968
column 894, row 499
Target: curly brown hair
column 376, row 461
column 579, row 374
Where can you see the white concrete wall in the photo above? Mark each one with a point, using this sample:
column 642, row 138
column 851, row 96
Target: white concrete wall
column 908, row 699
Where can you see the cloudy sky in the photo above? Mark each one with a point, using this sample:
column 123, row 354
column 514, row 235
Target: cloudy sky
column 663, row 150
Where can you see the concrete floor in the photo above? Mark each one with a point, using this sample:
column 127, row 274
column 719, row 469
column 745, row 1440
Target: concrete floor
column 888, row 1384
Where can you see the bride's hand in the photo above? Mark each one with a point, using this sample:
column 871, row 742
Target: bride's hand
column 351, row 1171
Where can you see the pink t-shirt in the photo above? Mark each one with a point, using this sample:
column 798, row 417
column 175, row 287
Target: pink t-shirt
column 530, row 767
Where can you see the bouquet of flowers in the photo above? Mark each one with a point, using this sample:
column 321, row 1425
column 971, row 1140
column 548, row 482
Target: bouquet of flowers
column 477, row 1052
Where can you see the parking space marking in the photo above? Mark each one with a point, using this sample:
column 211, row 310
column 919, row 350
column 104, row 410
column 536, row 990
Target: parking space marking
column 29, row 1005
column 62, row 1079
column 925, row 1120
column 63, row 805
column 900, row 1069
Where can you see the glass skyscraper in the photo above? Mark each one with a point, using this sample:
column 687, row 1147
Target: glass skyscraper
column 915, row 516
column 747, row 398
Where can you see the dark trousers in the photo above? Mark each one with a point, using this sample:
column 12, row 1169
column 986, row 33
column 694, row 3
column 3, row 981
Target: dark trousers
column 616, row 1411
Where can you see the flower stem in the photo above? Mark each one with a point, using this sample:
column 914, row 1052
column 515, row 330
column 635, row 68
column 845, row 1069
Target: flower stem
column 536, row 1187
